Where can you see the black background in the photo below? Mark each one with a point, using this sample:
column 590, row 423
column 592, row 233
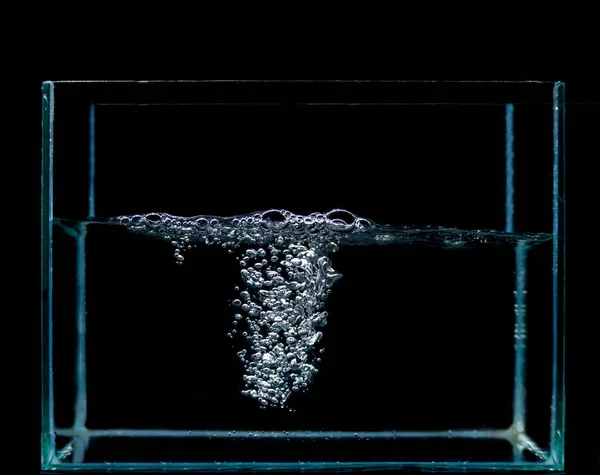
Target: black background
column 226, row 149
column 579, row 131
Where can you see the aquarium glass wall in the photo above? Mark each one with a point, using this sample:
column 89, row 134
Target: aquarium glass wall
column 302, row 275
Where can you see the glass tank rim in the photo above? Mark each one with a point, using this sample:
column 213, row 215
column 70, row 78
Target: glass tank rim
column 342, row 81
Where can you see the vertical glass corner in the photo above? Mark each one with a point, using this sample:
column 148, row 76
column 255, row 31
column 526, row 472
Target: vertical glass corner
column 47, row 435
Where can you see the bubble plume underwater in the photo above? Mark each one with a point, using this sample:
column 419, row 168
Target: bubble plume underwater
column 286, row 275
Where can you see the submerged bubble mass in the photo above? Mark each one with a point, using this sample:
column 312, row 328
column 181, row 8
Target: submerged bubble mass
column 286, row 274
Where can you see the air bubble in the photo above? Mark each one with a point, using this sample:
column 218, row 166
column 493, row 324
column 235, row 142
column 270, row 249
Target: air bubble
column 383, row 238
column 362, row 224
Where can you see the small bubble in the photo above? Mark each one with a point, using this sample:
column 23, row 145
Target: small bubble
column 236, row 303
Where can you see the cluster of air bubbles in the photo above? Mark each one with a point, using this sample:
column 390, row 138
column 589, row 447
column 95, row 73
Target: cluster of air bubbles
column 180, row 246
column 338, row 226
column 255, row 229
column 286, row 278
column 285, row 289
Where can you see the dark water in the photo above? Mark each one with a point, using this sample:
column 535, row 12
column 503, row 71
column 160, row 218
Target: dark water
column 352, row 335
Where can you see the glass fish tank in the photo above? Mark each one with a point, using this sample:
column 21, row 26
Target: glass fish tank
column 302, row 275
